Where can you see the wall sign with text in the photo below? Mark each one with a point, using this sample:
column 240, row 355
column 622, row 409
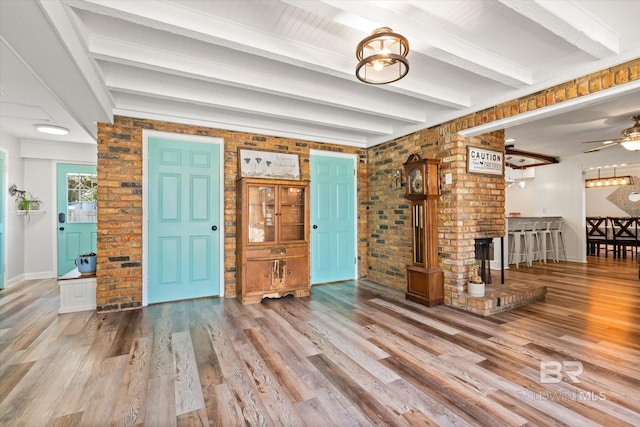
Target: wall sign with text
column 480, row 160
column 268, row 164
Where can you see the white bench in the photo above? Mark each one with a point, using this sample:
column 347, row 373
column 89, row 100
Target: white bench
column 77, row 292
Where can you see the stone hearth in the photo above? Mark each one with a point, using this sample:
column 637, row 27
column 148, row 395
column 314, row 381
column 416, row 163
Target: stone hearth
column 499, row 298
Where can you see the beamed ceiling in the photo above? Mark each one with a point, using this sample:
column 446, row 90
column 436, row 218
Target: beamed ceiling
column 286, row 67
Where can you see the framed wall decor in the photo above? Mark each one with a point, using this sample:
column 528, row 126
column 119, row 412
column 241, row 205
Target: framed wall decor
column 481, row 160
column 268, row 164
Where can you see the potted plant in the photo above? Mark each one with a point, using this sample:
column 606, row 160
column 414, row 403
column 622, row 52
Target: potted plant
column 86, row 263
column 475, row 286
column 27, row 203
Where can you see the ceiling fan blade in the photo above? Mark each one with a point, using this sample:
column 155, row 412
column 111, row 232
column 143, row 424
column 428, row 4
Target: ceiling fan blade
column 605, row 141
column 591, row 150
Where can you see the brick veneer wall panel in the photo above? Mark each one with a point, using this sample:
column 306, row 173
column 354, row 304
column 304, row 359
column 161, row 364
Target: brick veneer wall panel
column 586, row 85
column 120, row 210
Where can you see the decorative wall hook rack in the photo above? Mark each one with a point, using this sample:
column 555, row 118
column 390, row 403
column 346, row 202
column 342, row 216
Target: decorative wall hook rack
column 13, row 190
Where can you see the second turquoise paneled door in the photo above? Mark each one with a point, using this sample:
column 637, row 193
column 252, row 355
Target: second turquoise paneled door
column 76, row 200
column 184, row 214
column 333, row 221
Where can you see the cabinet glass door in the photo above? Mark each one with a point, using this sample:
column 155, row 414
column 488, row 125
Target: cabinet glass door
column 262, row 214
column 292, row 214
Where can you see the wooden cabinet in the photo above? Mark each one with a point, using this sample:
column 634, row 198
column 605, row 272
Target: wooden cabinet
column 272, row 239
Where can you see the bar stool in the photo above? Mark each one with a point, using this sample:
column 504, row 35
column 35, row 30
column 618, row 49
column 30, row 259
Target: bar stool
column 518, row 244
column 558, row 239
column 546, row 240
column 535, row 253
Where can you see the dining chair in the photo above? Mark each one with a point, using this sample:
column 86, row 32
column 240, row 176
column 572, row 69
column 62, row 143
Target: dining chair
column 596, row 229
column 625, row 236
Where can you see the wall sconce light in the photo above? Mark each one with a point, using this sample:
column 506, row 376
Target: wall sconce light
column 396, row 179
column 608, row 182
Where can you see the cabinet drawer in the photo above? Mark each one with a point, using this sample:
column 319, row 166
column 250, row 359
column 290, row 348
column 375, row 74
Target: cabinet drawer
column 276, row 252
column 258, row 253
column 300, row 250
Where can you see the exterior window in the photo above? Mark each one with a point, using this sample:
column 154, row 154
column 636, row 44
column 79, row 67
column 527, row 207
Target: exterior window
column 82, row 191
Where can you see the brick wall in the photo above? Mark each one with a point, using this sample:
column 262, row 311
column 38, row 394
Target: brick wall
column 120, row 210
column 586, row 85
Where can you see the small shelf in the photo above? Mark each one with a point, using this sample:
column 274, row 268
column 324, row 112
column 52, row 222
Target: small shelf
column 35, row 212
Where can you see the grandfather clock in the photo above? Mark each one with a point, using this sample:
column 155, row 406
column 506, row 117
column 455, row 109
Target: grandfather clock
column 424, row 276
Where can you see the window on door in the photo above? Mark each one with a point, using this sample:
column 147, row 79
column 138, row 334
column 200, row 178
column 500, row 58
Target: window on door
column 82, row 192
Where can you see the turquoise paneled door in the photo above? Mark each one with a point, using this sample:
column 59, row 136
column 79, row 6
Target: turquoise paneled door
column 184, row 212
column 2, row 203
column 333, row 220
column 77, row 187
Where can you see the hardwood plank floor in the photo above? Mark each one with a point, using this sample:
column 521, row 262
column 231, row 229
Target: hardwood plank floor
column 353, row 353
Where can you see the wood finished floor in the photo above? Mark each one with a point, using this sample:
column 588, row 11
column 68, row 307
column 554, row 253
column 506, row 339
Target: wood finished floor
column 352, row 353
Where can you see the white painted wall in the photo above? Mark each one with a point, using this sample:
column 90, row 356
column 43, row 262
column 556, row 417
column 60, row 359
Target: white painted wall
column 39, row 229
column 14, row 229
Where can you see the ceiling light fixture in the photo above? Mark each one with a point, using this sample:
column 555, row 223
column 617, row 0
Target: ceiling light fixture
column 387, row 57
column 52, row 130
column 522, row 183
column 608, row 182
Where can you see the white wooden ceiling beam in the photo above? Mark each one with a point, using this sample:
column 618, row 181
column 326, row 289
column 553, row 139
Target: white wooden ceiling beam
column 571, row 22
column 163, row 86
column 257, row 78
column 179, row 20
column 132, row 105
column 67, row 27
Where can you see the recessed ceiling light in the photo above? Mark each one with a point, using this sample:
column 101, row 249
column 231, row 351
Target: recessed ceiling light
column 52, row 130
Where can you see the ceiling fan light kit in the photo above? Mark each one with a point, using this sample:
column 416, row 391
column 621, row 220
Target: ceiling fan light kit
column 629, row 138
column 382, row 57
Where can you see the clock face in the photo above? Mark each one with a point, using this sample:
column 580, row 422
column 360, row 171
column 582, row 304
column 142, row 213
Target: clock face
column 415, row 181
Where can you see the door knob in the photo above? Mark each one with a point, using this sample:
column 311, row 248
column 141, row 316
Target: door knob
column 61, row 228
column 214, row 227
column 315, row 227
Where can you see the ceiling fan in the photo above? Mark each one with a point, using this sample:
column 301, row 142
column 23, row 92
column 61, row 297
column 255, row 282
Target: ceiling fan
column 629, row 138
